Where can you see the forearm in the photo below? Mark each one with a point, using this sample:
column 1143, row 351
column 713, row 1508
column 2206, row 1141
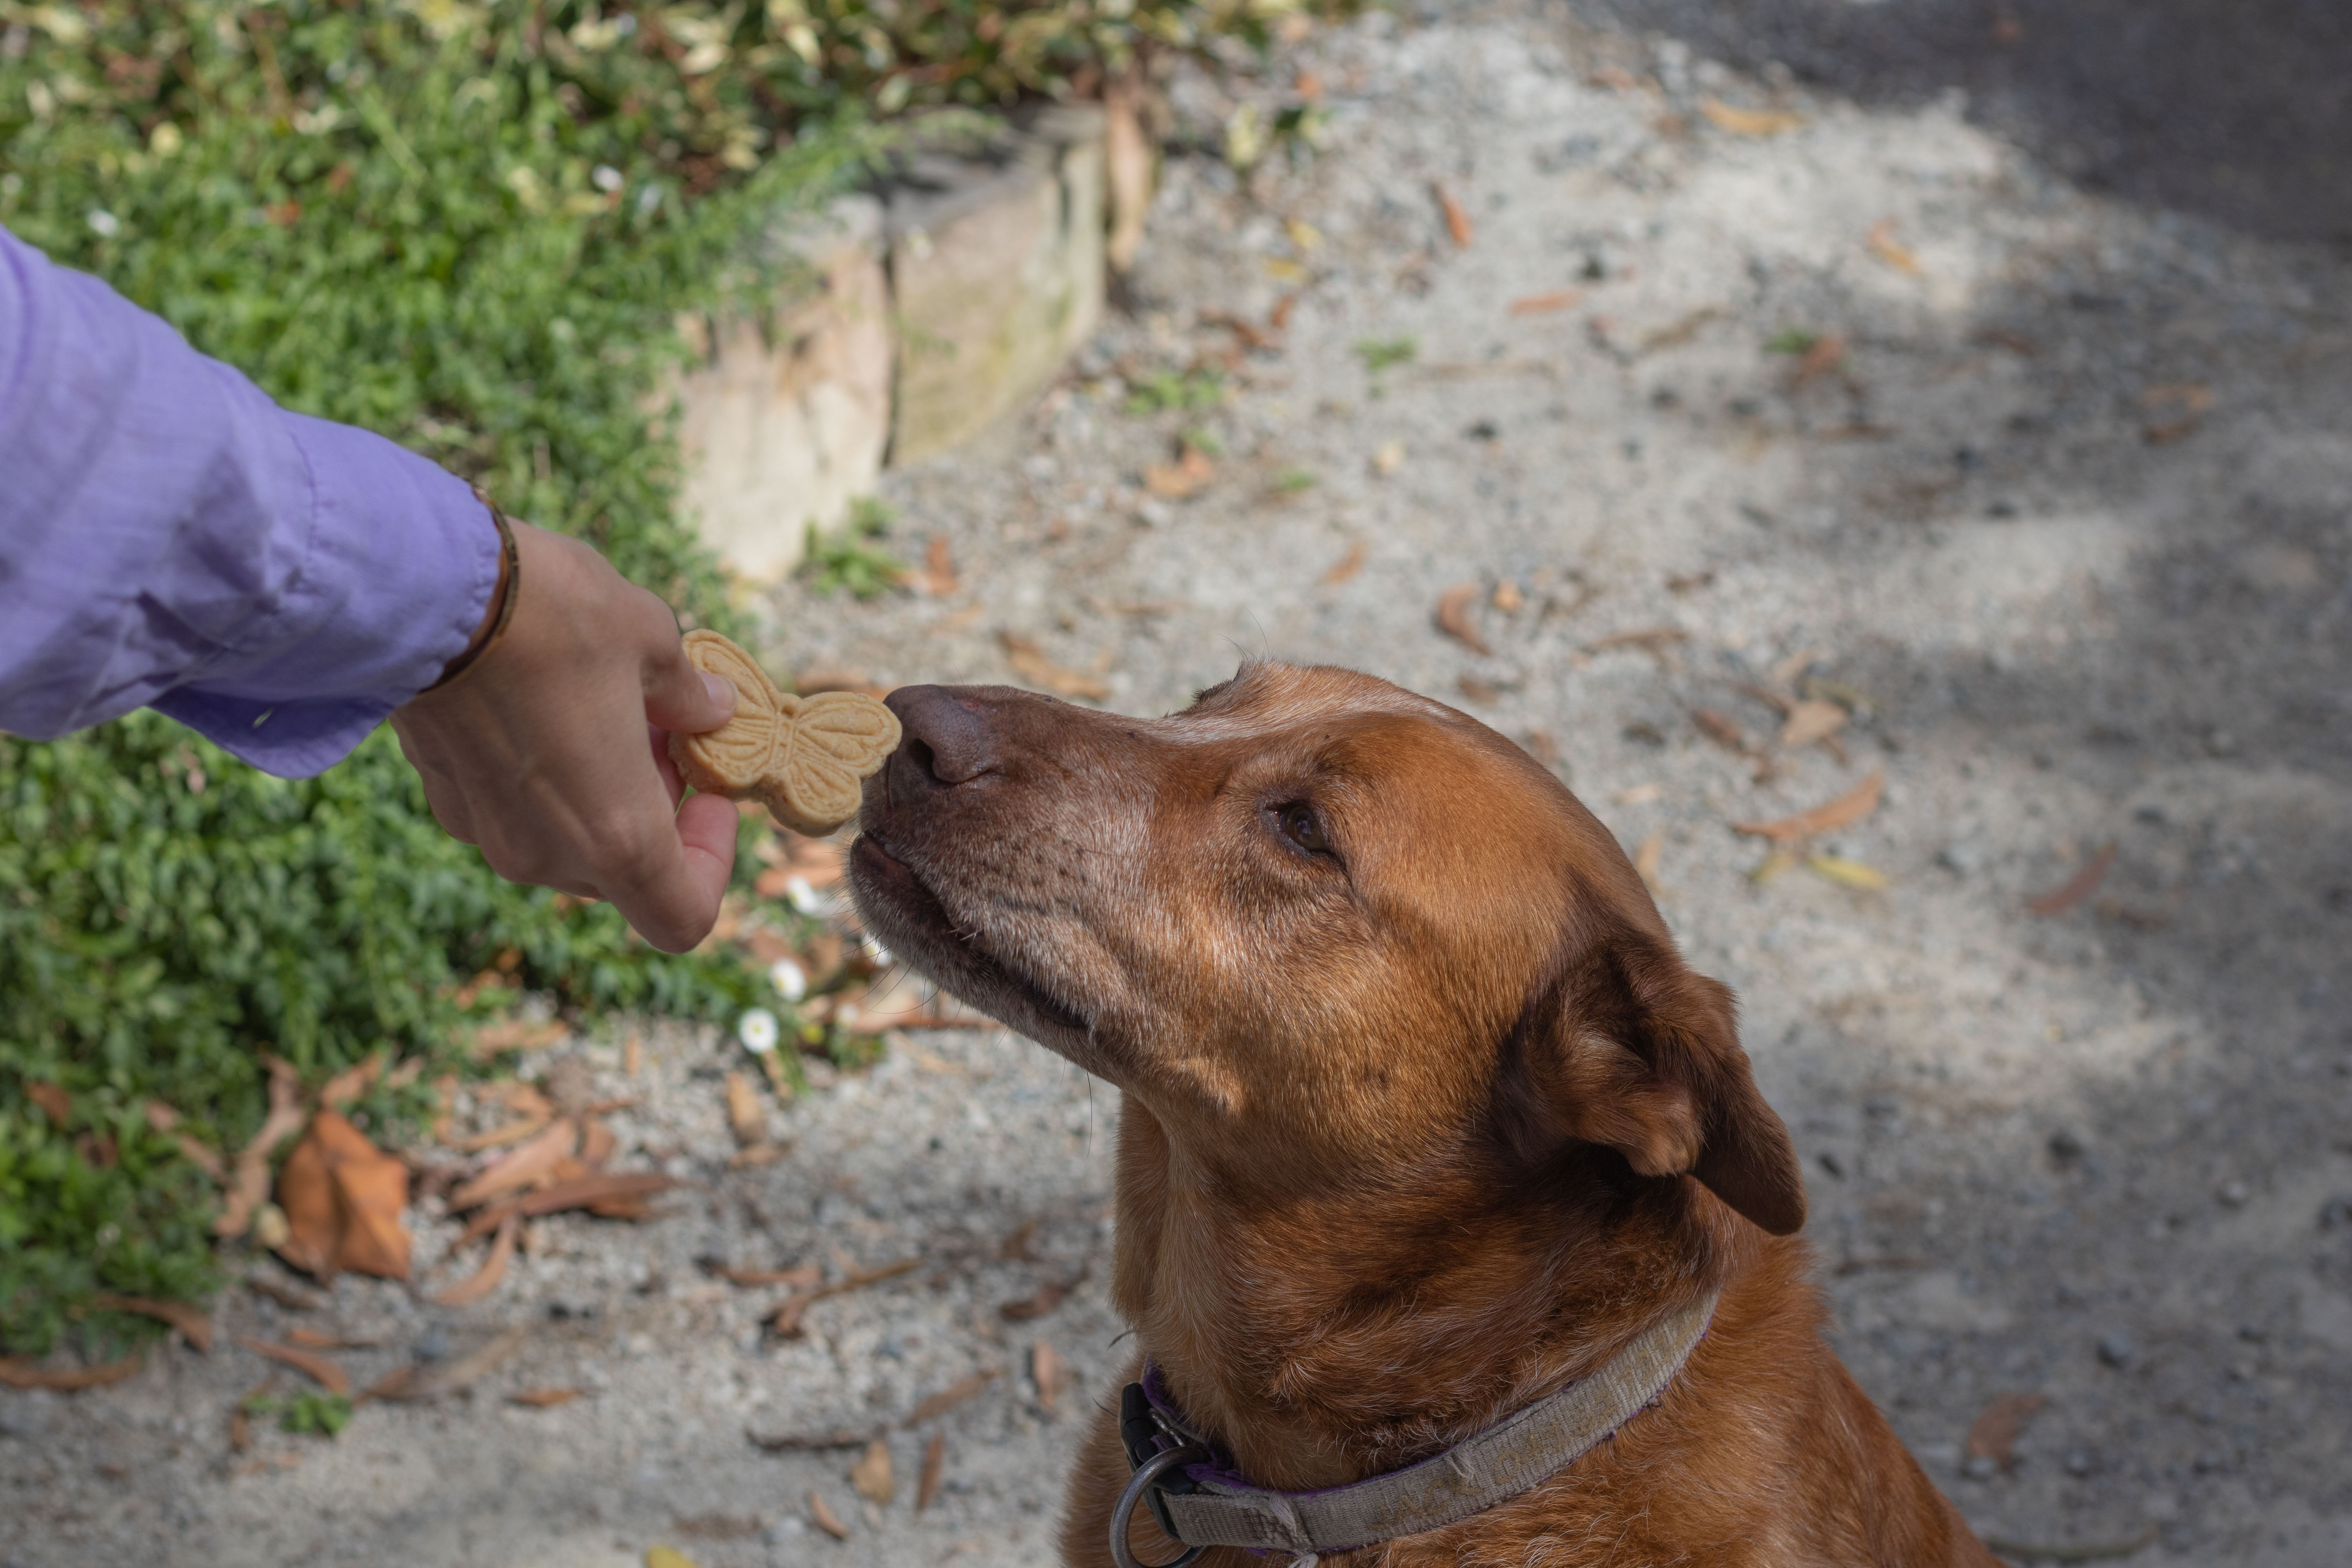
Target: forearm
column 169, row 536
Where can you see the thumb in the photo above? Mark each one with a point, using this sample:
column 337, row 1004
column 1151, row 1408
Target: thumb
column 683, row 699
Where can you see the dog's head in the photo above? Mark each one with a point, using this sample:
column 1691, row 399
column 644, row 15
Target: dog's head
column 1315, row 924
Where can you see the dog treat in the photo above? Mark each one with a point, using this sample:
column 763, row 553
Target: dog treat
column 803, row 758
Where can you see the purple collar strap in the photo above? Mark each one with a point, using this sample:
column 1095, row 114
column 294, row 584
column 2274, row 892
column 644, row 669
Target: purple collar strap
column 1203, row 1502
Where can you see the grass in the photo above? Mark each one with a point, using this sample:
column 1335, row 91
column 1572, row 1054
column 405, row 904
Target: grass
column 848, row 557
column 1169, row 390
column 1386, row 353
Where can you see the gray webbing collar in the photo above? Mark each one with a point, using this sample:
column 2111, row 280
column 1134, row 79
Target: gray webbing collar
column 1203, row 1504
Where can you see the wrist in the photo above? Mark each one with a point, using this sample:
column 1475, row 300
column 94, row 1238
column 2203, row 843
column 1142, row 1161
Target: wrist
column 499, row 613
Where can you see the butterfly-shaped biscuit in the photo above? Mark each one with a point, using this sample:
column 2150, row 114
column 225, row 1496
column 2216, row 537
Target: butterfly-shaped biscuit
column 805, row 758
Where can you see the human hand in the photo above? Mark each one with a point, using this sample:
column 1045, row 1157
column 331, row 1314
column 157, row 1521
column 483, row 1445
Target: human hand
column 549, row 751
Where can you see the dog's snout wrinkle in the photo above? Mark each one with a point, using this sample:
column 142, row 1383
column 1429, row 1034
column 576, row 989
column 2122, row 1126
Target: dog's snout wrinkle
column 946, row 741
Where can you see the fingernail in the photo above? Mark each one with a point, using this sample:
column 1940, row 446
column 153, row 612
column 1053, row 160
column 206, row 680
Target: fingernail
column 722, row 690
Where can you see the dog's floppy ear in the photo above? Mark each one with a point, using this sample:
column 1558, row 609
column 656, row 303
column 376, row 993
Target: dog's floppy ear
column 1630, row 1049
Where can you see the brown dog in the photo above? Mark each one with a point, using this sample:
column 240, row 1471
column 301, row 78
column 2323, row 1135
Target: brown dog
column 1424, row 1115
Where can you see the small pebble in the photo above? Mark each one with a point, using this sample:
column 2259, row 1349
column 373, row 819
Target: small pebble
column 432, row 1345
column 2233, row 1195
column 2117, row 1349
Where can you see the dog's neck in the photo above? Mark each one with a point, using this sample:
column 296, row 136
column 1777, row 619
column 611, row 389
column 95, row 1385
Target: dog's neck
column 1324, row 1338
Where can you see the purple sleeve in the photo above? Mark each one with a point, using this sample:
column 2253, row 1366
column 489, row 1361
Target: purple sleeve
column 170, row 537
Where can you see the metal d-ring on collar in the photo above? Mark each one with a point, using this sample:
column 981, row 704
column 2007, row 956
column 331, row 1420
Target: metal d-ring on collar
column 1145, row 1482
column 1200, row 1502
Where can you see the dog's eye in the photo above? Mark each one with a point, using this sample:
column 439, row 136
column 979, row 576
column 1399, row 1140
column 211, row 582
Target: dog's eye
column 1303, row 827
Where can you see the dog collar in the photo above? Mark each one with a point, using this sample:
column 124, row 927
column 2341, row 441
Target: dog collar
column 1201, row 1502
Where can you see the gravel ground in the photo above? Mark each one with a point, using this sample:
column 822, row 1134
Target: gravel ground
column 2065, row 526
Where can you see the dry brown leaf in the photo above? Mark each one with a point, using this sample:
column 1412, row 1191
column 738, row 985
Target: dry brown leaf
column 1479, row 690
column 613, row 1194
column 935, row 1456
column 515, row 1035
column 871, row 1474
column 1650, row 638
column 1809, row 722
column 1542, row 304
column 711, row 1527
column 1040, row 1301
column 1029, row 662
column 1887, row 249
column 498, row 1137
column 1721, row 729
column 746, row 1117
column 948, row 1398
column 1748, row 121
column 343, row 1197
column 936, row 576
column 189, row 1321
column 1645, row 861
column 353, row 1082
column 531, row 1164
column 430, row 1380
column 312, row 1339
column 53, row 1102
column 2079, row 887
column 1993, row 1434
column 1845, row 810
column 1454, row 617
column 1185, row 478
column 545, row 1398
column 802, row 1275
column 596, row 1141
column 1827, row 353
column 1047, row 1371
column 1346, row 566
column 821, row 1517
column 16, row 1372
column 250, row 1187
column 1458, row 218
column 286, row 1296
column 478, row 1285
column 784, row 1322
column 310, row 1364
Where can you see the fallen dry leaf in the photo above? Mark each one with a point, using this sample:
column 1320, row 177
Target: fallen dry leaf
column 821, row 1517
column 250, row 1187
column 531, row 1164
column 2079, row 887
column 1748, row 121
column 936, row 576
column 871, row 1474
column 430, row 1380
column 326, row 1373
column 1722, row 729
column 343, row 1197
column 16, row 1372
column 189, row 1321
column 1542, row 304
column 1993, row 1434
column 948, row 1398
column 1454, row 617
column 1856, row 874
column 1887, row 249
column 1827, row 353
column 1047, row 1371
column 1457, row 218
column 1507, row 597
column 811, row 1442
column 286, row 1296
column 353, row 1082
column 515, row 1035
column 545, row 1398
column 53, row 1101
column 1645, row 861
column 717, row 1526
column 1845, row 810
column 786, row 1320
column 1348, row 566
column 610, row 1195
column 1040, row 1301
column 1809, row 722
column 667, row 1557
column 498, row 1137
column 935, row 1456
column 1029, row 662
column 1650, row 638
column 478, row 1285
column 1182, row 479
column 1479, row 690
column 746, row 1118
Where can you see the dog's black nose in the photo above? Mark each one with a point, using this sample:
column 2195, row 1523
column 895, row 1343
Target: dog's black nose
column 948, row 741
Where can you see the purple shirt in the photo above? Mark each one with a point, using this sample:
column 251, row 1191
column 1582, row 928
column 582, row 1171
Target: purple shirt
column 170, row 537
